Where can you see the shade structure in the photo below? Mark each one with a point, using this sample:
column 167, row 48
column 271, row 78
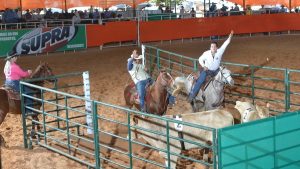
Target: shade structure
column 30, row 4
column 9, row 4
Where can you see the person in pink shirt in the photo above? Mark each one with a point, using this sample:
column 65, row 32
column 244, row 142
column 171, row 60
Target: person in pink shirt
column 14, row 73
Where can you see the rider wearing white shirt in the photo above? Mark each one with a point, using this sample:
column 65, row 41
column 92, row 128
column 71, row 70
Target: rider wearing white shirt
column 210, row 62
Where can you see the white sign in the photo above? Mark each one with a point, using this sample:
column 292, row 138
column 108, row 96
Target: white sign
column 88, row 106
column 178, row 127
column 143, row 54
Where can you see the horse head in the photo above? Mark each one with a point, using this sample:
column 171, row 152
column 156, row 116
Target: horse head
column 165, row 79
column 43, row 71
column 224, row 76
column 183, row 84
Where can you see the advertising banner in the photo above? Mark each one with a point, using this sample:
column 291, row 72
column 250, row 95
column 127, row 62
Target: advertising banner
column 41, row 40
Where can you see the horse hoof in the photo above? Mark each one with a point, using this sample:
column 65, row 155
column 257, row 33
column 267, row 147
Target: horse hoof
column 32, row 134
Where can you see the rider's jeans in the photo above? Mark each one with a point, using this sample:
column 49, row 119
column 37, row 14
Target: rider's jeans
column 200, row 81
column 140, row 87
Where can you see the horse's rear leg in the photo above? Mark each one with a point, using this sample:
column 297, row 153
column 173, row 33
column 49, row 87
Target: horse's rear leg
column 34, row 125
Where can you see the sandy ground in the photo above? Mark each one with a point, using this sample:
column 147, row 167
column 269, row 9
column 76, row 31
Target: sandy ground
column 109, row 76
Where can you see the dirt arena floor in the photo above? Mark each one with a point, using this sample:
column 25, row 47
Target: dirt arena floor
column 108, row 77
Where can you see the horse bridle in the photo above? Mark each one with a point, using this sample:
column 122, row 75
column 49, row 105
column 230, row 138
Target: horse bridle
column 165, row 81
column 222, row 74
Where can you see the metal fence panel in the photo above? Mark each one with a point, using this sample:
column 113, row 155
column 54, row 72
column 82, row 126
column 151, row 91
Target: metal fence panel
column 268, row 143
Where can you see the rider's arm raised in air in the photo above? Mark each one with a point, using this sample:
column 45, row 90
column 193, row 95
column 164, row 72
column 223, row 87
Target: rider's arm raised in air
column 221, row 50
column 130, row 64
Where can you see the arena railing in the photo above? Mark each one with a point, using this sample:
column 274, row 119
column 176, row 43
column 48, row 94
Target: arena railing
column 110, row 144
column 63, row 127
column 278, row 86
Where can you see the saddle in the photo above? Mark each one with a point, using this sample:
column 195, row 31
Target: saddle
column 12, row 94
column 207, row 80
column 136, row 97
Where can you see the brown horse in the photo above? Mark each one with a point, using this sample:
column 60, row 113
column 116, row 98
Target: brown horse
column 10, row 101
column 156, row 99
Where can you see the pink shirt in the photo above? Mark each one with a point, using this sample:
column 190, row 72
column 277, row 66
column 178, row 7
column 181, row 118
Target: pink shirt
column 15, row 72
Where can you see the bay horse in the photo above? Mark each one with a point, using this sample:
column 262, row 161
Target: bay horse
column 156, row 98
column 10, row 100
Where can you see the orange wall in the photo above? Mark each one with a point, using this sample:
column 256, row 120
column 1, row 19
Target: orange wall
column 111, row 32
column 188, row 28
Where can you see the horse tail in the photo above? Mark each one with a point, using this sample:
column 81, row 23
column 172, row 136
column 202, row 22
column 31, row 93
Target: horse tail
column 4, row 105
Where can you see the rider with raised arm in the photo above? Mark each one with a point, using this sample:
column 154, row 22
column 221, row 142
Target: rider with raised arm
column 210, row 61
column 139, row 76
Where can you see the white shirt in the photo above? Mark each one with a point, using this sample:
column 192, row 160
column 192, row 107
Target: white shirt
column 213, row 63
column 138, row 73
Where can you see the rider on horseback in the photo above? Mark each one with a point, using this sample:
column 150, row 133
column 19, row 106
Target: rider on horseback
column 210, row 62
column 139, row 76
column 14, row 73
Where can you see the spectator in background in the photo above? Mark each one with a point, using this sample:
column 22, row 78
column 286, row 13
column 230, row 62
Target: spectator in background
column 76, row 18
column 10, row 16
column 27, row 15
column 213, row 9
column 296, row 10
column 193, row 13
column 168, row 10
column 248, row 10
column 160, row 7
column 224, row 10
column 282, row 9
column 262, row 10
column 48, row 14
column 96, row 16
column 181, row 12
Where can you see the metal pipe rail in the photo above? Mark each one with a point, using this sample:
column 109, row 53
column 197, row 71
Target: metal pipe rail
column 251, row 79
column 61, row 138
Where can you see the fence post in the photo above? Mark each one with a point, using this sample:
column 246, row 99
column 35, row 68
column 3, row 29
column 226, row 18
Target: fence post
column 23, row 116
column 252, row 84
column 287, row 89
column 44, row 116
column 96, row 135
column 168, row 144
column 158, row 60
column 215, row 147
column 195, row 65
column 129, row 139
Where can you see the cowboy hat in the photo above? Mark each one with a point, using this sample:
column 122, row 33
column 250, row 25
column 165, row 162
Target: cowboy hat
column 137, row 57
column 9, row 56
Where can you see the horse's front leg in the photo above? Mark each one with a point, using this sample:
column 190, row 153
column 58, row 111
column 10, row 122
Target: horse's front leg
column 34, row 125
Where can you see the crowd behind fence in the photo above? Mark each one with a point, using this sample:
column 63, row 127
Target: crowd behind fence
column 14, row 19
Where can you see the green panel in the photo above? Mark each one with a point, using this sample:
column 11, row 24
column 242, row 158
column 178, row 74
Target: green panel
column 8, row 38
column 288, row 141
column 157, row 17
column 41, row 40
column 268, row 143
column 78, row 42
column 247, row 145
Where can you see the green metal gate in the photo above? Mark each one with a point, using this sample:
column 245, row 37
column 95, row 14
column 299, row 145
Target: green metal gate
column 62, row 118
column 259, row 84
column 269, row 143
